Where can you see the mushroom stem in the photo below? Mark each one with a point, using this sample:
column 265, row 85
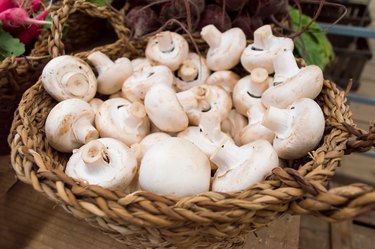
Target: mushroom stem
column 285, row 66
column 210, row 125
column 165, row 42
column 212, row 36
column 262, row 36
column 100, row 61
column 134, row 116
column 84, row 131
column 279, row 121
column 259, row 80
column 188, row 71
column 75, row 83
column 94, row 154
column 226, row 157
column 255, row 114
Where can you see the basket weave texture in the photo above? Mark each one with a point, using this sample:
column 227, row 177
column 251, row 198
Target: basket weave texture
column 208, row 220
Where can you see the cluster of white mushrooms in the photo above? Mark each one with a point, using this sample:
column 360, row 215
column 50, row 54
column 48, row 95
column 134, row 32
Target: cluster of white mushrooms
column 170, row 121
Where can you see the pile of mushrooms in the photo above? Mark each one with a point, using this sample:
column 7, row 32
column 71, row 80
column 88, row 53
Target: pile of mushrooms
column 175, row 123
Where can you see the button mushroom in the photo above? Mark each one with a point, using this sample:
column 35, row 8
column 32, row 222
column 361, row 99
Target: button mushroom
column 292, row 83
column 105, row 162
column 175, row 167
column 225, row 79
column 233, row 124
column 140, row 149
column 118, row 118
column 137, row 85
column 67, row 77
column 139, row 63
column 192, row 72
column 225, row 48
column 241, row 167
column 167, row 48
column 164, row 109
column 199, row 100
column 262, row 51
column 298, row 129
column 111, row 75
column 95, row 103
column 69, row 125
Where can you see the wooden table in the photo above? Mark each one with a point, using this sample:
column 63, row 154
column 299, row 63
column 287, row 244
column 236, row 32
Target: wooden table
column 29, row 220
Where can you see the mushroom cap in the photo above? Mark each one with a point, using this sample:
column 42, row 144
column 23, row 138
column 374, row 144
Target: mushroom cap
column 64, row 122
column 118, row 173
column 175, row 167
column 67, row 77
column 164, row 109
column 228, row 53
column 193, row 66
column 118, row 118
column 137, row 85
column 95, row 103
column 305, row 133
column 111, row 80
column 253, row 163
column 139, row 63
column 234, row 123
column 226, row 79
column 257, row 131
column 172, row 58
column 308, row 83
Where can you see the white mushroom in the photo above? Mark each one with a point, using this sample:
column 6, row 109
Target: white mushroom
column 167, row 48
column 137, row 85
column 225, row 48
column 199, row 100
column 175, row 167
column 118, row 118
column 192, row 72
column 95, row 104
column 225, row 79
column 111, row 75
column 262, row 51
column 105, row 162
column 69, row 125
column 233, row 124
column 67, row 77
column 140, row 149
column 298, row 129
column 116, row 95
column 241, row 167
column 140, row 63
column 164, row 109
column 292, row 83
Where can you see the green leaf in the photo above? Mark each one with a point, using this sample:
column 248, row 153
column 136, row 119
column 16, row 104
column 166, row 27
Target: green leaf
column 312, row 45
column 9, row 45
column 100, row 2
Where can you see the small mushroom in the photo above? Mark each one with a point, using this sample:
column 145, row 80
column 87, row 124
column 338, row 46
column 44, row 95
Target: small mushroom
column 292, row 83
column 118, row 118
column 139, row 64
column 234, row 123
column 241, row 167
column 225, row 79
column 111, row 75
column 140, row 148
column 262, row 51
column 69, row 125
column 175, row 167
column 105, row 162
column 164, row 109
column 298, row 128
column 199, row 100
column 225, row 48
column 137, row 85
column 167, row 48
column 95, row 104
column 67, row 77
column 192, row 72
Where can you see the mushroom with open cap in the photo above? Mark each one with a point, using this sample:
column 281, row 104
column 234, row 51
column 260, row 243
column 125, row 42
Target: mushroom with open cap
column 118, row 118
column 241, row 167
column 111, row 75
column 226, row 79
column 192, row 72
column 292, row 83
column 199, row 100
column 67, row 77
column 225, row 48
column 234, row 123
column 167, row 48
column 176, row 167
column 69, row 125
column 137, row 85
column 105, row 162
column 298, row 128
column 164, row 109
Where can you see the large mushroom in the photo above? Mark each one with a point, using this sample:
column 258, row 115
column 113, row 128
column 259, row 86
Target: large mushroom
column 69, row 125
column 67, row 77
column 226, row 79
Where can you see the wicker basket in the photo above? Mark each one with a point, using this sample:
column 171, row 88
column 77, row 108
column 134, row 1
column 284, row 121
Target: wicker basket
column 208, row 220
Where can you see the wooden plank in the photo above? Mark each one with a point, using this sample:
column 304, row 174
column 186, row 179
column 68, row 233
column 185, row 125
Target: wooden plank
column 341, row 235
column 363, row 237
column 357, row 167
column 314, row 233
